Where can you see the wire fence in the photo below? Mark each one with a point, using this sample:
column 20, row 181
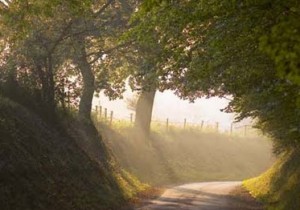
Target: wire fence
column 104, row 115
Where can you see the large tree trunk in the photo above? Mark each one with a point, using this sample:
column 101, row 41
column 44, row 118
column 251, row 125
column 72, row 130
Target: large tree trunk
column 144, row 109
column 85, row 105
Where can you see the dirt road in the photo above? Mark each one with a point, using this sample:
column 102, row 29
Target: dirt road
column 203, row 196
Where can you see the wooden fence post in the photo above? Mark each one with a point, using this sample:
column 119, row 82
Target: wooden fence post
column 184, row 123
column 131, row 118
column 105, row 114
column 217, row 127
column 202, row 124
column 231, row 129
column 96, row 114
column 111, row 117
column 167, row 124
column 100, row 112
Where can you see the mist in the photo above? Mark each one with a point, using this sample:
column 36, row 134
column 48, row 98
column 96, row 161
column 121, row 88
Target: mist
column 188, row 142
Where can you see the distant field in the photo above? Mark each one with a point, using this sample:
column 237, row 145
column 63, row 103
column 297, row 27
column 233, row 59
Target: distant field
column 181, row 156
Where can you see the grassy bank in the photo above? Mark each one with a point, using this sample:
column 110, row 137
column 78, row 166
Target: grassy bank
column 181, row 156
column 62, row 166
column 279, row 187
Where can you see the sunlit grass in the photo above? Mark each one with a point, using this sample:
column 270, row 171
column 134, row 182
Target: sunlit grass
column 129, row 184
column 179, row 155
column 279, row 187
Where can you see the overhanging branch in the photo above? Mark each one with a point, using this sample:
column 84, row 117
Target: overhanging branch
column 108, row 51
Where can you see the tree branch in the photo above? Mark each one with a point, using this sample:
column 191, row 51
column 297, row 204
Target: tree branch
column 100, row 53
column 103, row 8
column 3, row 5
column 62, row 36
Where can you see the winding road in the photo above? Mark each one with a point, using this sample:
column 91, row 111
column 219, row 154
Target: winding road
column 202, row 196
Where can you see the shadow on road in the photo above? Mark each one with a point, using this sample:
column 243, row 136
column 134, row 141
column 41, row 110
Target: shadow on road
column 197, row 199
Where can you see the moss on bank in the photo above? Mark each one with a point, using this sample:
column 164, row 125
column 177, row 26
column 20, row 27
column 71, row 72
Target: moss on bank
column 279, row 187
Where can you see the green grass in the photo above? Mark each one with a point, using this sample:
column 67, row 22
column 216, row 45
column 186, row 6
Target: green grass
column 64, row 166
column 160, row 127
column 279, row 187
column 181, row 156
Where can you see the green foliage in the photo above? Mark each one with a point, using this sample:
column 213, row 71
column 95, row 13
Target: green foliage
column 21, row 15
column 278, row 188
column 44, row 36
column 282, row 44
column 248, row 49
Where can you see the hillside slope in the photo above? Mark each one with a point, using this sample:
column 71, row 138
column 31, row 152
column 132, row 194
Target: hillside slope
column 42, row 167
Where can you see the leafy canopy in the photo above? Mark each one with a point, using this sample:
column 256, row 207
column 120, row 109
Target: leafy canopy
column 247, row 49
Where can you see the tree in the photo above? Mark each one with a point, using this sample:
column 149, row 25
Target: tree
column 145, row 81
column 35, row 38
column 231, row 47
column 113, row 16
column 145, row 57
column 81, row 60
column 79, row 31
